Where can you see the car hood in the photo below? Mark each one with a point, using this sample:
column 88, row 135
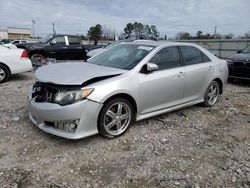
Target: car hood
column 241, row 57
column 74, row 73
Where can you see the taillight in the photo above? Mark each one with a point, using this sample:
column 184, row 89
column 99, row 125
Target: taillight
column 24, row 54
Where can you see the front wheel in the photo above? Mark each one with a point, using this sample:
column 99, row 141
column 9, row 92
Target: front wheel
column 212, row 94
column 115, row 118
column 38, row 60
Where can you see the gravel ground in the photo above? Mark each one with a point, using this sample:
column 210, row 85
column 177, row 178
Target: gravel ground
column 205, row 147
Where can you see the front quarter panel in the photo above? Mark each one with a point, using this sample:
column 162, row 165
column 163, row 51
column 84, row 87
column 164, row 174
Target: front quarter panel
column 123, row 84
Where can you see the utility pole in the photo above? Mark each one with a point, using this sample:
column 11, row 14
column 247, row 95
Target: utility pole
column 53, row 27
column 215, row 30
column 33, row 27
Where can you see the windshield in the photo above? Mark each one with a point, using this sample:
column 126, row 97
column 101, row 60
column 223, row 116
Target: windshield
column 46, row 39
column 247, row 50
column 124, row 56
column 111, row 45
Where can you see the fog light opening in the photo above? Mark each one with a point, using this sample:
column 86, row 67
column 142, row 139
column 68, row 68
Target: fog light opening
column 70, row 126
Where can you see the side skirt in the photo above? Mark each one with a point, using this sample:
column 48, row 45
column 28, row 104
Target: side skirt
column 155, row 113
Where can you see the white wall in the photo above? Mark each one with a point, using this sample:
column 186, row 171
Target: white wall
column 3, row 34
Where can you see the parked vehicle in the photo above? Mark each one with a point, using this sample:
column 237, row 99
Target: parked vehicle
column 13, row 61
column 131, row 81
column 58, row 47
column 96, row 51
column 239, row 65
column 13, row 43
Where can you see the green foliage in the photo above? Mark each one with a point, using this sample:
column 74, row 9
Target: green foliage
column 140, row 31
column 95, row 33
column 5, row 41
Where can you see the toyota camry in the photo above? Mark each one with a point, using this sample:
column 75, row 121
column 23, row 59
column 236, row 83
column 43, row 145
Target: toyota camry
column 127, row 83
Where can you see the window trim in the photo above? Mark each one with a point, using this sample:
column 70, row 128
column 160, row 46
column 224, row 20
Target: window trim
column 184, row 63
column 203, row 60
column 180, row 64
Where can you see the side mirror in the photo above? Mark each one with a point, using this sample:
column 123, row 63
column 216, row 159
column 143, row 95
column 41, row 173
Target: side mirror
column 150, row 67
column 52, row 42
column 238, row 52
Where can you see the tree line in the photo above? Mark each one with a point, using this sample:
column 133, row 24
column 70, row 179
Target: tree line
column 134, row 30
column 138, row 30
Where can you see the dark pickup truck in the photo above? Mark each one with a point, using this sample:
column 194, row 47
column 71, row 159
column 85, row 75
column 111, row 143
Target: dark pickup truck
column 57, row 47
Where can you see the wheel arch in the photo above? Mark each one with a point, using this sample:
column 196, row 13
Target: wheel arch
column 7, row 67
column 131, row 100
column 36, row 52
column 219, row 81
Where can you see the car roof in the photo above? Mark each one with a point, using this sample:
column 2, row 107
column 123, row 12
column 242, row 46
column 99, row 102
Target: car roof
column 162, row 43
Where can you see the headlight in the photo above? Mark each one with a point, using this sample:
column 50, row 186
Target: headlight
column 70, row 97
column 229, row 62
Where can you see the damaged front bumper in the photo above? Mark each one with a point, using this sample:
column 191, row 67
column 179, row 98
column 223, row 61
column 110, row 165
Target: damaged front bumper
column 73, row 121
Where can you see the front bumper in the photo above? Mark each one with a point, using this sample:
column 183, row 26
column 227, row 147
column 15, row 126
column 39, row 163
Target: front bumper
column 86, row 112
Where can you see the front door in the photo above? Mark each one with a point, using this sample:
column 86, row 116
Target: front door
column 57, row 49
column 162, row 88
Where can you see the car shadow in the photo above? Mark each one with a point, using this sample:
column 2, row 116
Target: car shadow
column 18, row 77
column 240, row 82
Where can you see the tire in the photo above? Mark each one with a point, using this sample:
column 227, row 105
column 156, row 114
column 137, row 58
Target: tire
column 115, row 118
column 4, row 73
column 38, row 60
column 231, row 80
column 212, row 94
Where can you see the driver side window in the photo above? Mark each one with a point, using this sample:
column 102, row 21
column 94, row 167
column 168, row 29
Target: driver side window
column 59, row 41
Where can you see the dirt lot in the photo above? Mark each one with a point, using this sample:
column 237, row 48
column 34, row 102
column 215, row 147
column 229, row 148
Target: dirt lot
column 207, row 148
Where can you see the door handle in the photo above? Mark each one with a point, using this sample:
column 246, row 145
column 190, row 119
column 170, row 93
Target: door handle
column 210, row 68
column 64, row 47
column 79, row 47
column 181, row 74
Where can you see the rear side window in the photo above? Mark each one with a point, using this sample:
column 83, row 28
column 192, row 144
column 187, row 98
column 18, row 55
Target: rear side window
column 74, row 41
column 205, row 58
column 166, row 58
column 191, row 55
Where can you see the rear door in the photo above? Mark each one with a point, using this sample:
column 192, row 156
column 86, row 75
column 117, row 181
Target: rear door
column 75, row 48
column 199, row 71
column 162, row 88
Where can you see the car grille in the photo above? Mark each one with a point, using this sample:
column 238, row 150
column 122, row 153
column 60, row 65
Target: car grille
column 44, row 92
column 239, row 64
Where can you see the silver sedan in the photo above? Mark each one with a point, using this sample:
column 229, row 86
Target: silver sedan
column 131, row 81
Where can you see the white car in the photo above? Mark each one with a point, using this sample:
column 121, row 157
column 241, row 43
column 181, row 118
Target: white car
column 12, row 43
column 13, row 61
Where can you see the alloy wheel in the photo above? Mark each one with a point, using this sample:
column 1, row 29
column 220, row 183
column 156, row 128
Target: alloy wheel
column 2, row 74
column 117, row 118
column 212, row 94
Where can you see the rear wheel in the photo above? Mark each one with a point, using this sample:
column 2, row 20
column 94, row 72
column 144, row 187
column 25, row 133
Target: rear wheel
column 212, row 94
column 115, row 118
column 231, row 80
column 4, row 74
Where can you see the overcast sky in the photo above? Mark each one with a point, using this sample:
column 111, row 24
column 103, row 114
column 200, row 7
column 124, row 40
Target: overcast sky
column 169, row 16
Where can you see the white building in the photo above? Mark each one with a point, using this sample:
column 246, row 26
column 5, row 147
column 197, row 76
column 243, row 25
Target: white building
column 3, row 34
column 15, row 33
